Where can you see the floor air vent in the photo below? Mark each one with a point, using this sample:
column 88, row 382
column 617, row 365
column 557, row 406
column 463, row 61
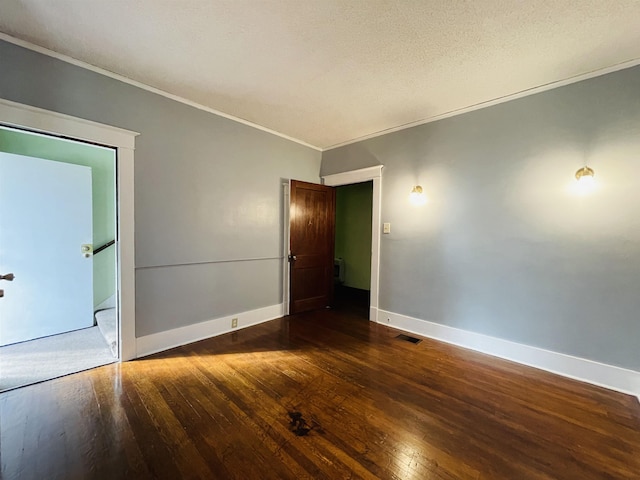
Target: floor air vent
column 407, row 338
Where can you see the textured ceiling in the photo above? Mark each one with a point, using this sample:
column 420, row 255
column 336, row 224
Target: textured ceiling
column 330, row 71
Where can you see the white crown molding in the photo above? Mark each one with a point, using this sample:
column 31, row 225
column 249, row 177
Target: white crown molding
column 135, row 83
column 496, row 101
column 524, row 93
column 600, row 374
column 158, row 342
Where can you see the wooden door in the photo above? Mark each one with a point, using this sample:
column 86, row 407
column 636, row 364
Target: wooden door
column 312, row 237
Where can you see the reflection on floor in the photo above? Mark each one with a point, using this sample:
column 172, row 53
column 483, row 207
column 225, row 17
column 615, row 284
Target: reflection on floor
column 50, row 357
column 318, row 395
column 351, row 300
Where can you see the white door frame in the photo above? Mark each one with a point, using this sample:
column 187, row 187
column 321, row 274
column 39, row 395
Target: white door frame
column 286, row 270
column 358, row 176
column 44, row 121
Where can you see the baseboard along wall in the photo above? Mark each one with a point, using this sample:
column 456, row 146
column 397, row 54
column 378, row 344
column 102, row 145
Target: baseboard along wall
column 600, row 374
column 176, row 337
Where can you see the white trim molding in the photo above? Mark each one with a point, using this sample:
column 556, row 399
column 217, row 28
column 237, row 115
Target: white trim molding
column 600, row 374
column 158, row 342
column 490, row 103
column 148, row 88
column 524, row 93
column 373, row 174
column 126, row 254
column 286, row 242
column 44, row 121
column 53, row 123
column 353, row 176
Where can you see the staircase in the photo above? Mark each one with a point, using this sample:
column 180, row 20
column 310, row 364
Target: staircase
column 107, row 323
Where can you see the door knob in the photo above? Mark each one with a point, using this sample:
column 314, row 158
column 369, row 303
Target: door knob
column 9, row 277
column 292, row 258
column 87, row 250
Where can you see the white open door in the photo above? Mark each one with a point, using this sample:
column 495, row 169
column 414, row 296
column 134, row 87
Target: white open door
column 45, row 219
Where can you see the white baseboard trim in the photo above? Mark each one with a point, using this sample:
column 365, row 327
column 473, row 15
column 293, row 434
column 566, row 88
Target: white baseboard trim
column 158, row 342
column 607, row 376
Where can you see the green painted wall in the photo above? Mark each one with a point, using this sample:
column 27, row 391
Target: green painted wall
column 102, row 163
column 354, row 204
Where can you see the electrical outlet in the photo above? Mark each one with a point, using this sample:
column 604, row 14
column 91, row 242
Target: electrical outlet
column 234, row 323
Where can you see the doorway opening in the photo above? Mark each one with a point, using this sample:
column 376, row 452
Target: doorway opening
column 374, row 175
column 370, row 174
column 352, row 264
column 58, row 230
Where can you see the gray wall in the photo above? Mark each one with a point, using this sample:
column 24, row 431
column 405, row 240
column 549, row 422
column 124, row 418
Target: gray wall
column 504, row 246
column 207, row 189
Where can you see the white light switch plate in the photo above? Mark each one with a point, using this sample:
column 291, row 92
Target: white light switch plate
column 386, row 228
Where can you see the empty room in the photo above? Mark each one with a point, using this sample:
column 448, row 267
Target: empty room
column 333, row 239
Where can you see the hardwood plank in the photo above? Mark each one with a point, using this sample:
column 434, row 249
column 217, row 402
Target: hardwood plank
column 117, row 439
column 374, row 407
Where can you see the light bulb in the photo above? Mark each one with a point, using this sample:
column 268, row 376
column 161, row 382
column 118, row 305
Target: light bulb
column 586, row 183
column 417, row 196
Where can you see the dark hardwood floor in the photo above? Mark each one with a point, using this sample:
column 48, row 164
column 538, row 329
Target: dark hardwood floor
column 319, row 395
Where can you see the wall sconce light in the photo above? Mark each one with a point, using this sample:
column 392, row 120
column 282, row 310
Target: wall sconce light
column 585, row 185
column 585, row 175
column 417, row 196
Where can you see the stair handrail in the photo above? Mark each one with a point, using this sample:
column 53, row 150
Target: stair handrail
column 101, row 248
